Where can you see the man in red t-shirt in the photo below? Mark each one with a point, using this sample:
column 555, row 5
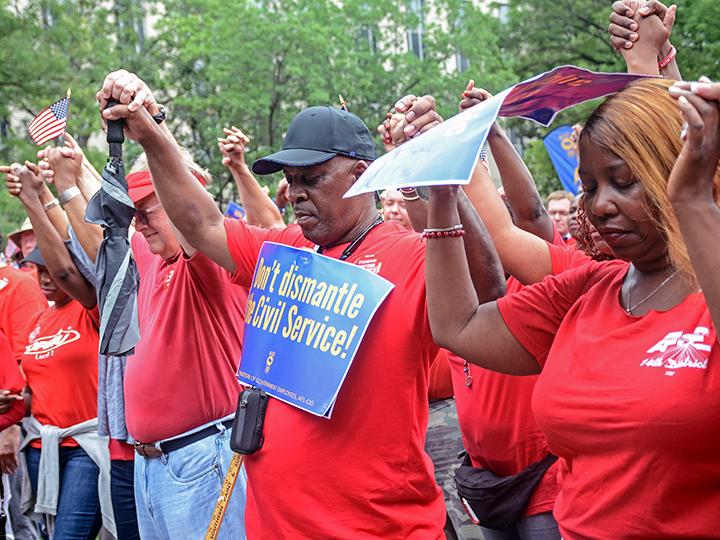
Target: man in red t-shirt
column 363, row 473
column 181, row 387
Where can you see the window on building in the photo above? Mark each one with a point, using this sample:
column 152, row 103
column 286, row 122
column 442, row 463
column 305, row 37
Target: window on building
column 366, row 37
column 462, row 62
column 415, row 35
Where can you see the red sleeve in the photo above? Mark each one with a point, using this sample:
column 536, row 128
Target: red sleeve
column 534, row 314
column 244, row 243
column 94, row 314
column 564, row 259
column 26, row 302
column 10, row 379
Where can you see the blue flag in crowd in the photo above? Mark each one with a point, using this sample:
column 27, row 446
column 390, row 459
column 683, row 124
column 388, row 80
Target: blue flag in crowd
column 562, row 148
column 234, row 210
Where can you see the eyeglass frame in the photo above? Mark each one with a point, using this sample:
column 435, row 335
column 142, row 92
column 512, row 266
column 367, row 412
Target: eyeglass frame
column 142, row 215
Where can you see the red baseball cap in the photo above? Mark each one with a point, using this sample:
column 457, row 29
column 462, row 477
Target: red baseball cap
column 140, row 184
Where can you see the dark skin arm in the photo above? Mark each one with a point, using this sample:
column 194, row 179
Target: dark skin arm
column 624, row 29
column 56, row 256
column 690, row 186
column 524, row 255
column 190, row 208
column 471, row 328
column 525, row 201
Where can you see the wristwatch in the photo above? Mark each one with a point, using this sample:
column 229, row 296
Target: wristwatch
column 160, row 116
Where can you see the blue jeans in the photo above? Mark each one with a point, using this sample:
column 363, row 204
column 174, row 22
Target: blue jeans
column 176, row 493
column 123, row 499
column 78, row 512
column 537, row 527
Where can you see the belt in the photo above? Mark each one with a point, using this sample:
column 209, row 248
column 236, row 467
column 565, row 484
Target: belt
column 151, row 451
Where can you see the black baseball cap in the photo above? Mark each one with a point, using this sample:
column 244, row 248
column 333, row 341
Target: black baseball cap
column 35, row 257
column 316, row 135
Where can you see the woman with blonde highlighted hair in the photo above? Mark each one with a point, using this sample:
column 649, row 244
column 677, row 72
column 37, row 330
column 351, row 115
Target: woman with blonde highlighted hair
column 627, row 350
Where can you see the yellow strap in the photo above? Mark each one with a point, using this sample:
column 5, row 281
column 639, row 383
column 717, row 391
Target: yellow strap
column 224, row 497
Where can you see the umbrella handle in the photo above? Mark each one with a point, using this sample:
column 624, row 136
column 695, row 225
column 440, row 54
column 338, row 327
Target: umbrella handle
column 115, row 134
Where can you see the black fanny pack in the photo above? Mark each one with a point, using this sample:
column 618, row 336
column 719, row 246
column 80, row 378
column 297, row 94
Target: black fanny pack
column 498, row 502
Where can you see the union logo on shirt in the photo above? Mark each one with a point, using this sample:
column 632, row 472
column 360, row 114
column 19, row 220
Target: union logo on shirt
column 369, row 263
column 4, row 282
column 46, row 344
column 678, row 350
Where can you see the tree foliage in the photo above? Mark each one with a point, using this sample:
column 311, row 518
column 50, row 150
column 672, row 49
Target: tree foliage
column 255, row 63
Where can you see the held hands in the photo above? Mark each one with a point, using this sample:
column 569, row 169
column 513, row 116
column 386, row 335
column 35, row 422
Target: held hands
column 23, row 182
column 391, row 130
column 691, row 179
column 137, row 104
column 8, row 399
column 232, row 148
column 628, row 24
column 62, row 165
column 412, row 117
column 472, row 96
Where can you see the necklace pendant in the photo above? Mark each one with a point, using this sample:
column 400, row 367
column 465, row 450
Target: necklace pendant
column 468, row 376
column 468, row 380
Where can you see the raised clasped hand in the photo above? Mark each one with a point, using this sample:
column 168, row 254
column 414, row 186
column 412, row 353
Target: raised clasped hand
column 136, row 105
column 232, row 147
column 695, row 169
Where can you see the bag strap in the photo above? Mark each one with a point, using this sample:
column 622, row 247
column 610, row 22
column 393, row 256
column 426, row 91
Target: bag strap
column 547, row 461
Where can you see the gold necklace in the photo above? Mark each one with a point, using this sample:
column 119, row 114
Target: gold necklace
column 630, row 307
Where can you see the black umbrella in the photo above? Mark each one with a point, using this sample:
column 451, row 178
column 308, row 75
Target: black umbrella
column 117, row 276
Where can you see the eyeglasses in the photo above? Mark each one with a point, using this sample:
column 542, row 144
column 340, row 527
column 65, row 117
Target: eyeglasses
column 143, row 216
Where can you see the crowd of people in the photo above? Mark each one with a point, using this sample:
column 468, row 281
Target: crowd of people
column 566, row 345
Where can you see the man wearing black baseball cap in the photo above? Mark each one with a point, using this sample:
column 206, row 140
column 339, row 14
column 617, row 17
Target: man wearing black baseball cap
column 317, row 135
column 363, row 473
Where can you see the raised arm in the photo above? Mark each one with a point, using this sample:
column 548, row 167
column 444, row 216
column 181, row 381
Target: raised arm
column 521, row 253
column 624, row 30
column 259, row 208
column 525, row 201
column 57, row 259
column 64, row 167
column 474, row 331
column 191, row 209
column 694, row 182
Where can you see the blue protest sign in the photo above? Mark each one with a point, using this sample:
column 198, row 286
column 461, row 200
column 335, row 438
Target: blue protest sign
column 447, row 154
column 306, row 316
column 234, row 210
column 562, row 149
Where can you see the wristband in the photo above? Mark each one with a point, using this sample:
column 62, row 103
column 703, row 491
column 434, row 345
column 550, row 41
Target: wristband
column 69, row 194
column 409, row 194
column 665, row 62
column 448, row 232
column 52, row 203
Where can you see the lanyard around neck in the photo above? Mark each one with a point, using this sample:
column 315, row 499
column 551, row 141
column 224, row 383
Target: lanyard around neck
column 357, row 241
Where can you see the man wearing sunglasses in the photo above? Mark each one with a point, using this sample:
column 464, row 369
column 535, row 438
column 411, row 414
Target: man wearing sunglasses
column 181, row 387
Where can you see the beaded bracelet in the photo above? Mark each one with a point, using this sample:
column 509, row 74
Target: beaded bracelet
column 409, row 194
column 449, row 232
column 662, row 64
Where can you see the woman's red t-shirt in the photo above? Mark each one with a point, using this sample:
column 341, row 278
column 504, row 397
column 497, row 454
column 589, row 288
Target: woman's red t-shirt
column 61, row 366
column 630, row 404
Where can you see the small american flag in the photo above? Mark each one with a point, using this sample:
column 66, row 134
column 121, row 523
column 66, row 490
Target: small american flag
column 50, row 123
